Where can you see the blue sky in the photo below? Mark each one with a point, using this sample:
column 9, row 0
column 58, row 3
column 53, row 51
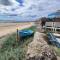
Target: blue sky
column 27, row 10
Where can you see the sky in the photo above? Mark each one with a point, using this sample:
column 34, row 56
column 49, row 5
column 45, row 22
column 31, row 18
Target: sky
column 27, row 10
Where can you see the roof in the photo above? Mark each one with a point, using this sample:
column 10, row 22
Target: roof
column 56, row 19
column 54, row 14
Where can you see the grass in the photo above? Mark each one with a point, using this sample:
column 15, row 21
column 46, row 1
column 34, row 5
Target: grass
column 31, row 28
column 56, row 49
column 13, row 50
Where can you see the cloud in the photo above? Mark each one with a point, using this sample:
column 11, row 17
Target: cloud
column 14, row 7
column 42, row 8
column 31, row 9
column 5, row 2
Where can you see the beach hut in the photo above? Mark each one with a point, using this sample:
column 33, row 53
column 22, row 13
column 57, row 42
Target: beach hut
column 55, row 17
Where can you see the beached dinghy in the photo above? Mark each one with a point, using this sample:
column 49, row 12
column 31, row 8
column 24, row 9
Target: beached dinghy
column 24, row 33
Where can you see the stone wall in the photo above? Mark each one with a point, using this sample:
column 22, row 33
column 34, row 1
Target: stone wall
column 38, row 49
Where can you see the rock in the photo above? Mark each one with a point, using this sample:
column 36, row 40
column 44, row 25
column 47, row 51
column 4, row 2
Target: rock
column 38, row 49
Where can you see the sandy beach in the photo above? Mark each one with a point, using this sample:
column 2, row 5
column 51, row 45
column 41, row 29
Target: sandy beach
column 8, row 28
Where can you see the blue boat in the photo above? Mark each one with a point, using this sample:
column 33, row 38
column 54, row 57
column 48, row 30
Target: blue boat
column 54, row 40
column 24, row 33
